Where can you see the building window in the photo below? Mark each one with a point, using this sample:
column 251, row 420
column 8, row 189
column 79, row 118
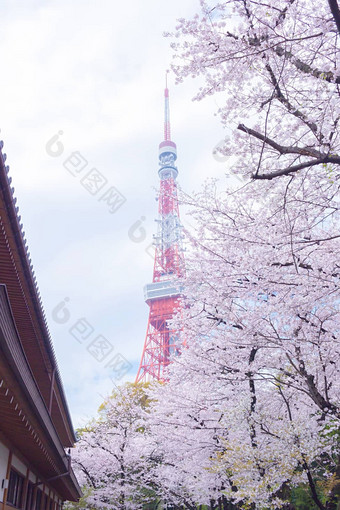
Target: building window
column 46, row 502
column 15, row 488
column 38, row 499
column 30, row 496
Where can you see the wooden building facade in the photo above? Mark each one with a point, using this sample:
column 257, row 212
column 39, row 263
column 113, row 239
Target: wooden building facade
column 35, row 425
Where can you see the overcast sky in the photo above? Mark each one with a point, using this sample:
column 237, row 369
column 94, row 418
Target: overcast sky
column 93, row 72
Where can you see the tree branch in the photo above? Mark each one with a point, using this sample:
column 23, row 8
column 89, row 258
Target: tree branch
column 313, row 391
column 283, row 100
column 302, row 151
column 296, row 168
column 304, row 67
column 282, row 15
column 333, row 4
column 321, row 158
column 312, row 486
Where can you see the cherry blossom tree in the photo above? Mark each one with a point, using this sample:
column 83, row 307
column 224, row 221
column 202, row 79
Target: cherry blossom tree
column 185, row 424
column 251, row 408
column 254, row 399
column 113, row 457
column 263, row 287
column 277, row 64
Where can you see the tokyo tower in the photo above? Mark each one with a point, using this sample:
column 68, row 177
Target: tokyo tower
column 162, row 295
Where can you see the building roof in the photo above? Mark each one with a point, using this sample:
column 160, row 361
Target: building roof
column 25, row 313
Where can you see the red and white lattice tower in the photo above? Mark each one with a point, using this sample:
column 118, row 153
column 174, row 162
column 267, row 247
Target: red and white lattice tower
column 162, row 295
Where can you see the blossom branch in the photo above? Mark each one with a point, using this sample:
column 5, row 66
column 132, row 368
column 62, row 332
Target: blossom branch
column 333, row 4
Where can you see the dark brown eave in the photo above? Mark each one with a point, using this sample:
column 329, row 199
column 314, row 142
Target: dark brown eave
column 25, row 420
column 35, row 314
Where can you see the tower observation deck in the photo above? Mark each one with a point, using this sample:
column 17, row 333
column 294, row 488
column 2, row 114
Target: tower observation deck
column 162, row 295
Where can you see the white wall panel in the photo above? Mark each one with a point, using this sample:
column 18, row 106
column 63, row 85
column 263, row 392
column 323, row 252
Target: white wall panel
column 4, row 453
column 18, row 465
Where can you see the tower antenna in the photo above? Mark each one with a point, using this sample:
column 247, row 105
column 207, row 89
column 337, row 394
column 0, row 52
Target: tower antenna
column 167, row 135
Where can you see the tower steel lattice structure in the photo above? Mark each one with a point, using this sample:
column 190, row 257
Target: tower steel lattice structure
column 162, row 295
